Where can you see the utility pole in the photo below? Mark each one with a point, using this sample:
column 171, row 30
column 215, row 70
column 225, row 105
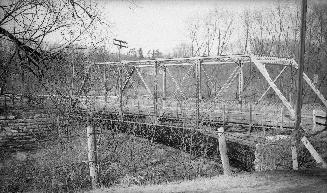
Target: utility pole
column 120, row 44
column 300, row 84
column 301, row 64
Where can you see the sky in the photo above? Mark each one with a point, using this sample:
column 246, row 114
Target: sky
column 154, row 24
column 160, row 24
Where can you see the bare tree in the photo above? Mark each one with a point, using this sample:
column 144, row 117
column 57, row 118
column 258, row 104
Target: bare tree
column 211, row 32
column 211, row 35
column 182, row 50
column 222, row 29
column 195, row 35
column 247, row 24
column 33, row 26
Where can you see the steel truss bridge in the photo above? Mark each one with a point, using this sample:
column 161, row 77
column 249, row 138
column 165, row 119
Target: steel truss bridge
column 196, row 64
column 245, row 124
column 191, row 121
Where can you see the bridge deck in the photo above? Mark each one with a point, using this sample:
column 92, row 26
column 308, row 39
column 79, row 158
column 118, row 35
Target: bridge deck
column 258, row 116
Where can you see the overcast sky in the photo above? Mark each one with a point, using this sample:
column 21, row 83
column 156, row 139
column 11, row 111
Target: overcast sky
column 161, row 24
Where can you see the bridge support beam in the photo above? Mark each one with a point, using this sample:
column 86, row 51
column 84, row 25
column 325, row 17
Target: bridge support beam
column 240, row 82
column 104, row 83
column 164, row 85
column 155, row 93
column 198, row 91
column 121, row 93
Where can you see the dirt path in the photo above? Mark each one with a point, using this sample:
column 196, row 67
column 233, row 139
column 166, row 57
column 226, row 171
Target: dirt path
column 278, row 181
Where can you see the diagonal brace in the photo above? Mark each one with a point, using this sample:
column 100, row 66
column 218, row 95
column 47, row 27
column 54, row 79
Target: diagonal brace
column 274, row 82
column 228, row 82
column 261, row 67
column 313, row 87
column 146, row 86
column 129, row 78
column 176, row 83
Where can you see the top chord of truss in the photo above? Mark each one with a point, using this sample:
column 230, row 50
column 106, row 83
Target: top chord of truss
column 223, row 59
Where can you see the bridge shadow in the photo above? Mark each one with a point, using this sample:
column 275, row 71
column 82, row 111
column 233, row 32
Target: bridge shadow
column 175, row 134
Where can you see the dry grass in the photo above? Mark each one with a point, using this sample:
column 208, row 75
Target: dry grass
column 254, row 182
column 57, row 167
column 128, row 160
column 124, row 160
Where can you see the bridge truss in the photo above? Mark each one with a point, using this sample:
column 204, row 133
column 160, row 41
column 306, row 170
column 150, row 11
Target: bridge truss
column 162, row 69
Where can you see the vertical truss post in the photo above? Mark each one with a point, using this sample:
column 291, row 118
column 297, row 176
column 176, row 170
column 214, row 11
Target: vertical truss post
column 155, row 93
column 224, row 115
column 164, row 86
column 104, row 74
column 72, row 84
column 105, row 85
column 240, row 82
column 121, row 93
column 200, row 79
column 198, row 91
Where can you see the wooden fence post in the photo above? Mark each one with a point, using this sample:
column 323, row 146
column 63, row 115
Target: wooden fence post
column 92, row 156
column 223, row 151
column 294, row 154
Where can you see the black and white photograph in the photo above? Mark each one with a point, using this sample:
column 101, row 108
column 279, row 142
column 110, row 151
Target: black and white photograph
column 163, row 96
